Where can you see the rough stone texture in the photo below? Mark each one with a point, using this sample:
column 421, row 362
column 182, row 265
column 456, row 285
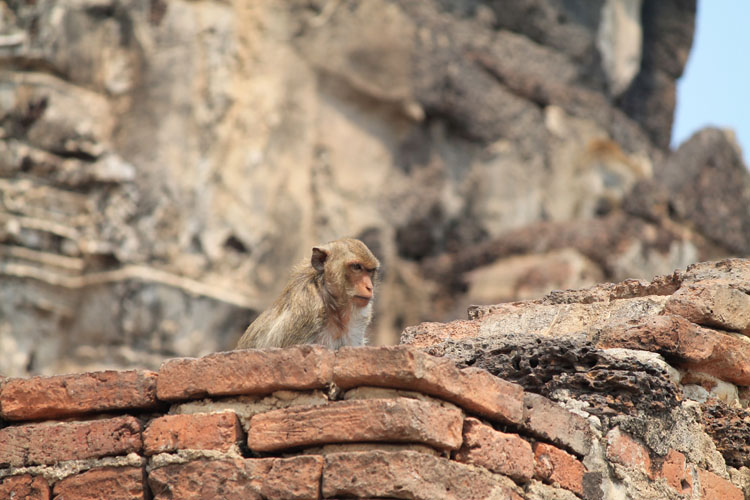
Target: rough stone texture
column 410, row 475
column 713, row 486
column 245, row 372
column 656, row 371
column 214, row 431
column 714, row 305
column 47, row 443
column 730, row 430
column 168, row 162
column 66, row 395
column 24, row 486
column 380, row 420
column 556, row 466
column 112, row 483
column 707, row 181
column 496, row 451
column 667, row 37
column 296, row 478
column 720, row 354
column 674, row 470
column 622, row 449
column 404, row 368
column 549, row 421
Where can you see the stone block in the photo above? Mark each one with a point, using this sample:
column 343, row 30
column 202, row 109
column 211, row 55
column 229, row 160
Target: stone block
column 201, row 431
column 402, row 367
column 66, row 395
column 496, row 451
column 248, row 371
column 112, row 483
column 377, row 420
column 51, row 442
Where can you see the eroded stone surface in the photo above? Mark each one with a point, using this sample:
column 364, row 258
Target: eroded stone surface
column 24, row 486
column 380, row 420
column 404, row 368
column 496, row 451
column 212, row 431
column 64, row 395
column 112, row 483
column 241, row 479
column 252, row 371
column 408, row 474
column 47, row 443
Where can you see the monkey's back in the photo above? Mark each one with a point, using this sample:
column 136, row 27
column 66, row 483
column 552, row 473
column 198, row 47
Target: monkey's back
column 296, row 317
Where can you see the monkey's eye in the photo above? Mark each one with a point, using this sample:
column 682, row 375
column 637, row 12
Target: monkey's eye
column 356, row 267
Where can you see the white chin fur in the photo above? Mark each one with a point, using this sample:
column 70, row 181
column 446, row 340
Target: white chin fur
column 355, row 335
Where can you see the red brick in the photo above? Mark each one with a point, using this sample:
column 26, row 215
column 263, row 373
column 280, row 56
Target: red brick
column 207, row 431
column 402, row 367
column 554, row 465
column 50, row 442
column 408, row 474
column 551, row 422
column 24, row 487
column 112, row 483
column 376, row 420
column 496, row 451
column 296, row 478
column 674, row 470
column 696, row 348
column 251, row 371
column 66, row 395
column 712, row 303
column 716, row 487
column 623, row 449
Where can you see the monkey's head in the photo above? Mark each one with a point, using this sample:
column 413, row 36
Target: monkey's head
column 349, row 270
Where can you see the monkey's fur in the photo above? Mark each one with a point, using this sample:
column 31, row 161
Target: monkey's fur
column 328, row 300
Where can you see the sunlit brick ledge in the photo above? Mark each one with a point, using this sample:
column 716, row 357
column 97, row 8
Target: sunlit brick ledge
column 305, row 422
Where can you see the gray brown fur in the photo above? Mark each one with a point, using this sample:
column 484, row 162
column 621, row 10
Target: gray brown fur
column 323, row 302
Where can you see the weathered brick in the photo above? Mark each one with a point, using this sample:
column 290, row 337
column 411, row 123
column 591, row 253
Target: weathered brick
column 551, row 422
column 296, row 478
column 712, row 303
column 624, row 450
column 402, row 367
column 716, row 487
column 50, row 442
column 408, row 474
column 554, row 465
column 77, row 394
column 693, row 347
column 201, row 431
column 496, row 451
column 251, row 371
column 112, row 483
column 24, row 487
column 380, row 420
column 674, row 470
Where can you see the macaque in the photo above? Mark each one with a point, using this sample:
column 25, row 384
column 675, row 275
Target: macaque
column 327, row 301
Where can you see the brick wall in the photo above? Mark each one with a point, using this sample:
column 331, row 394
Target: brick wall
column 307, row 422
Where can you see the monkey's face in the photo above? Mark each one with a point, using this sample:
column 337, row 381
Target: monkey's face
column 360, row 278
column 349, row 270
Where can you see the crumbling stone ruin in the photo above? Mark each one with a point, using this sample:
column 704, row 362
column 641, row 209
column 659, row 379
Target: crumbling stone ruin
column 631, row 390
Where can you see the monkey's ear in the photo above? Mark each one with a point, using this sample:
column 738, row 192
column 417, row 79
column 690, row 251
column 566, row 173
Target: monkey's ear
column 319, row 256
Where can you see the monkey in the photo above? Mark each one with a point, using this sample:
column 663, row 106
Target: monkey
column 328, row 300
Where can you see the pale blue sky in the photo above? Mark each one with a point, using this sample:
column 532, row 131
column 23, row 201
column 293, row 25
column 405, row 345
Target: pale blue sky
column 715, row 88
